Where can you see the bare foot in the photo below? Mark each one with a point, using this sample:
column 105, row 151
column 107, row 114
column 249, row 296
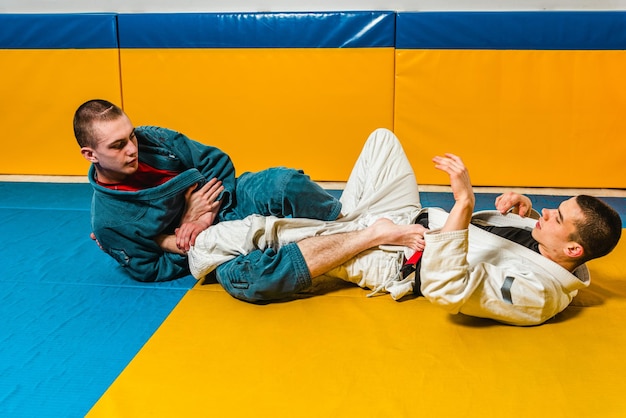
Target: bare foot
column 411, row 236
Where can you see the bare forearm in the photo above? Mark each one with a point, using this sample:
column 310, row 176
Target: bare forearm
column 460, row 216
column 464, row 198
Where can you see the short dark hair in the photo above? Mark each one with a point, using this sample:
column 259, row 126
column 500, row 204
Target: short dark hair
column 87, row 113
column 600, row 230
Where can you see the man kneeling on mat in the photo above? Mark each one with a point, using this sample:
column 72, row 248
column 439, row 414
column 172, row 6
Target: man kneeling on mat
column 509, row 264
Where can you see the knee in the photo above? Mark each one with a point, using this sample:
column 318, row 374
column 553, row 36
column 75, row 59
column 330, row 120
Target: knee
column 382, row 132
column 242, row 281
column 281, row 181
column 282, row 177
column 255, row 288
column 262, row 276
column 382, row 135
column 293, row 181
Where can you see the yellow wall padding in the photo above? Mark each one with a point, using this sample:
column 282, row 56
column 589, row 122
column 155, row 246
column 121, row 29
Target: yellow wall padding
column 517, row 117
column 309, row 108
column 40, row 90
column 344, row 355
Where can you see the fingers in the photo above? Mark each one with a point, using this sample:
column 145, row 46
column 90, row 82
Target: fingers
column 180, row 240
column 454, row 166
column 214, row 192
column 504, row 203
column 192, row 238
column 211, row 190
column 515, row 202
column 189, row 191
column 186, row 237
column 183, row 236
column 202, row 200
column 450, row 163
column 210, row 186
column 459, row 178
column 187, row 233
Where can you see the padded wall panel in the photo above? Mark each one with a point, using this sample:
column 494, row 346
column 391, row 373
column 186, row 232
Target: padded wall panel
column 302, row 90
column 50, row 65
column 527, row 99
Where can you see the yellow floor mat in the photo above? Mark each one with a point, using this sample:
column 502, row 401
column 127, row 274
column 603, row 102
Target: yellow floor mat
column 341, row 354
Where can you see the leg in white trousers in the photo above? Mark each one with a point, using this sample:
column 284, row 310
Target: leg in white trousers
column 382, row 184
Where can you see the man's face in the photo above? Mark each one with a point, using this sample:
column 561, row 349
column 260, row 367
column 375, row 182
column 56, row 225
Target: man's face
column 115, row 154
column 556, row 227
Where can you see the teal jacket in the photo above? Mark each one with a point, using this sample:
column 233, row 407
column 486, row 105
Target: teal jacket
column 126, row 223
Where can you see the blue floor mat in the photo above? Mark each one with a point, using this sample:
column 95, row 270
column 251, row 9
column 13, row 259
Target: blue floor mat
column 64, row 344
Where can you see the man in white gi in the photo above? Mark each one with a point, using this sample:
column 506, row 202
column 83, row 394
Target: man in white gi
column 494, row 264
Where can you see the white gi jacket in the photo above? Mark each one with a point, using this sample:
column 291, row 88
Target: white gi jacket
column 481, row 274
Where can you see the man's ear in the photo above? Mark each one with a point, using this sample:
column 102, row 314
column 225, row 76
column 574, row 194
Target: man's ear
column 574, row 250
column 89, row 154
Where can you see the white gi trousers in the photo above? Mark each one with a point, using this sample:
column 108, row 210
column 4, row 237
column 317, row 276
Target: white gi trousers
column 382, row 184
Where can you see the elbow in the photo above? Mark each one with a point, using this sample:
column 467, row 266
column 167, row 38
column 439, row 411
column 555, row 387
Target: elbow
column 142, row 275
column 449, row 298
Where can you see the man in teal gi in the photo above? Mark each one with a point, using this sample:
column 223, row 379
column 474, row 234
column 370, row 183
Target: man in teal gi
column 155, row 190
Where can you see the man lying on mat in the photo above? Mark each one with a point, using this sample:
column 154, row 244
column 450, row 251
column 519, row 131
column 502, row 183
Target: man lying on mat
column 499, row 264
column 464, row 268
column 149, row 181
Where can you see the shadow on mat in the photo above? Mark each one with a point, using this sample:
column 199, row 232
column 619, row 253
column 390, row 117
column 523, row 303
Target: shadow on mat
column 321, row 286
column 473, row 322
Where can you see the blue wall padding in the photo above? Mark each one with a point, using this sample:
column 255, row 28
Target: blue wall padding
column 519, row 30
column 486, row 201
column 58, row 31
column 258, row 30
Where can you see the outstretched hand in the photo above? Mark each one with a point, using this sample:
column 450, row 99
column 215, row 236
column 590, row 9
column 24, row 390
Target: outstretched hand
column 464, row 198
column 459, row 177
